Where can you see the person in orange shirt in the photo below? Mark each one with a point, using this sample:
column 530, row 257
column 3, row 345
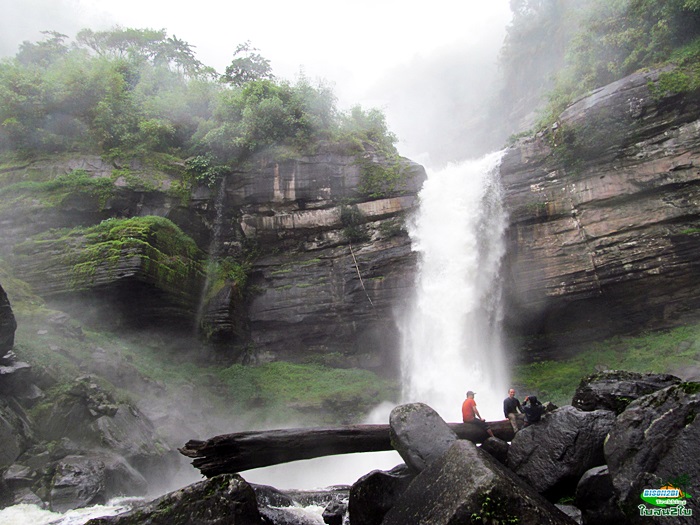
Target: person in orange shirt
column 470, row 414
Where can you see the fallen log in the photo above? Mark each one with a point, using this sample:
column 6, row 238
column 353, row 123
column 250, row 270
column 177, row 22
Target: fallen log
column 230, row 453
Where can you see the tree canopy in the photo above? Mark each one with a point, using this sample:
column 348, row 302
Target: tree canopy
column 127, row 92
column 564, row 48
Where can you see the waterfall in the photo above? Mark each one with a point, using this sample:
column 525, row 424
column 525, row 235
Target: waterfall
column 213, row 252
column 451, row 331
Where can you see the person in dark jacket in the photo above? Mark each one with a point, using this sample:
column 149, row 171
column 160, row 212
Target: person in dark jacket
column 533, row 410
column 511, row 407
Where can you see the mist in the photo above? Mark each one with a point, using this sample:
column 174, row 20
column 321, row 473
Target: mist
column 438, row 105
column 432, row 72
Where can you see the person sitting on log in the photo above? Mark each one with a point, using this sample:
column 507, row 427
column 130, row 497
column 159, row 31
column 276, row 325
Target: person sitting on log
column 511, row 407
column 470, row 414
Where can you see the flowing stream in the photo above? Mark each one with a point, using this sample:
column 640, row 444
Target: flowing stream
column 451, row 333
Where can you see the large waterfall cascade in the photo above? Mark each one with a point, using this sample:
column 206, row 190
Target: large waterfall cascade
column 451, row 331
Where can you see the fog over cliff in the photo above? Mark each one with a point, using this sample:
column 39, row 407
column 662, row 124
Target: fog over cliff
column 429, row 68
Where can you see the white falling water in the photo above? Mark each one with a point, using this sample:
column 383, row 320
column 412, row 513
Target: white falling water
column 451, row 333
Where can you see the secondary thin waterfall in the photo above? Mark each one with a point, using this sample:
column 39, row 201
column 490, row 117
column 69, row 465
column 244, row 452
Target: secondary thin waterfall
column 452, row 331
column 213, row 256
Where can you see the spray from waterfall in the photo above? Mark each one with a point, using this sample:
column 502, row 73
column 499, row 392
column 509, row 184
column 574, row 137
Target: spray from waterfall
column 452, row 330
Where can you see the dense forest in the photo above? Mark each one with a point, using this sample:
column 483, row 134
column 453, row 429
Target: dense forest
column 555, row 51
column 139, row 93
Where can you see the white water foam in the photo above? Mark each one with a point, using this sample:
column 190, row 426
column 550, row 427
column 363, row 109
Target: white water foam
column 452, row 330
column 26, row 514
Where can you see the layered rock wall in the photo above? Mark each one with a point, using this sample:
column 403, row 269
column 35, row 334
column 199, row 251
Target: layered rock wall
column 605, row 217
column 320, row 239
column 334, row 263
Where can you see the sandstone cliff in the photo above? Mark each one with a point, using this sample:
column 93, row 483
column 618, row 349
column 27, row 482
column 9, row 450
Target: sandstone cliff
column 604, row 233
column 289, row 257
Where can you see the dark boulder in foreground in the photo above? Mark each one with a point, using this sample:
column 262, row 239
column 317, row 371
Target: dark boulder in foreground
column 595, row 497
column 615, row 389
column 223, row 500
column 553, row 454
column 467, row 485
column 419, row 434
column 78, row 481
column 655, row 443
column 375, row 493
column 497, row 448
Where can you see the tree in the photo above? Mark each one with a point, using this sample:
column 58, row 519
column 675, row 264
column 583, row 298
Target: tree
column 247, row 65
column 145, row 45
column 45, row 52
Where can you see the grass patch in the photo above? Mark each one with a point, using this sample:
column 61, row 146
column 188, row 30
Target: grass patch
column 659, row 352
column 299, row 389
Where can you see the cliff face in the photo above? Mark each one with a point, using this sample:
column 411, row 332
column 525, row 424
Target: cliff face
column 604, row 233
column 332, row 264
column 319, row 238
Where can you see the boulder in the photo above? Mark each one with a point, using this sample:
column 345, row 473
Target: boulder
column 15, row 380
column 78, row 481
column 615, row 389
column 419, row 434
column 334, row 512
column 497, row 448
column 595, row 497
column 90, row 416
column 8, row 324
column 375, row 493
column 655, row 443
column 121, row 479
column 222, row 500
column 571, row 511
column 553, row 454
column 15, row 432
column 467, row 485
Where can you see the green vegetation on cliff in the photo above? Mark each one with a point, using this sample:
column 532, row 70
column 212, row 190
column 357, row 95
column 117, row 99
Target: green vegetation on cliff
column 128, row 93
column 152, row 245
column 558, row 50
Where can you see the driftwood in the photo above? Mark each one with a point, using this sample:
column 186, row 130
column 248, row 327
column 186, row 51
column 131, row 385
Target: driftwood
column 241, row 451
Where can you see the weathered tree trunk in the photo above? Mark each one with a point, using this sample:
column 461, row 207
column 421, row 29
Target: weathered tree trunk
column 241, row 451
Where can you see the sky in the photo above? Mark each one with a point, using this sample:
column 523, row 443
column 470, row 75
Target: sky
column 389, row 54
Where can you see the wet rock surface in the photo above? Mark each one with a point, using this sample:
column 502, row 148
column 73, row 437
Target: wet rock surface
column 654, row 443
column 615, row 389
column 223, row 500
column 375, row 493
column 595, row 497
column 419, row 434
column 465, row 483
column 554, row 453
